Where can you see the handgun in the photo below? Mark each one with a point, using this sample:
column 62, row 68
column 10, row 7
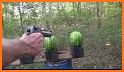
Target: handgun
column 34, row 29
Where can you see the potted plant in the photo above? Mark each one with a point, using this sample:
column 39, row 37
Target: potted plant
column 50, row 49
column 76, row 44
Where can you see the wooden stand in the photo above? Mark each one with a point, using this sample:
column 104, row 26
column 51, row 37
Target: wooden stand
column 41, row 57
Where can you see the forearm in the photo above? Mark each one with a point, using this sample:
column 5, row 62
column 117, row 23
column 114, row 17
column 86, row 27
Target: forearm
column 11, row 50
column 27, row 45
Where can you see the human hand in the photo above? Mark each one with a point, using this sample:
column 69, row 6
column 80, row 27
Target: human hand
column 33, row 43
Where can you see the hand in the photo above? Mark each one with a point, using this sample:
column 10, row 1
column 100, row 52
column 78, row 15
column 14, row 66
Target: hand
column 33, row 42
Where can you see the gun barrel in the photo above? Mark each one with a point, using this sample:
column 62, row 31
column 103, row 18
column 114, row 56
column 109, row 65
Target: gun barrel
column 47, row 33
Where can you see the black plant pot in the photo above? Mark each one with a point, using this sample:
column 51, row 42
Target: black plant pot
column 77, row 52
column 51, row 55
column 27, row 59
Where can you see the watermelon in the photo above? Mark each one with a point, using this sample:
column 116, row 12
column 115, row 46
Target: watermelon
column 75, row 38
column 46, row 42
column 50, row 43
column 53, row 41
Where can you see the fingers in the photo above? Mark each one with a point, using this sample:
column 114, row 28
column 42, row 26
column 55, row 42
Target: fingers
column 34, row 41
column 33, row 35
column 38, row 36
column 38, row 42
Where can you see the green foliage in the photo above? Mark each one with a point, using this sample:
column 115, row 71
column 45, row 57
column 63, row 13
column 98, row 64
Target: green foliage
column 8, row 28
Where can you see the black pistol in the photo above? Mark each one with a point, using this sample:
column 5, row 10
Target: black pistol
column 34, row 29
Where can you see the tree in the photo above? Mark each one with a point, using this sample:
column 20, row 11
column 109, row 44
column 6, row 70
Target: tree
column 21, row 19
column 98, row 14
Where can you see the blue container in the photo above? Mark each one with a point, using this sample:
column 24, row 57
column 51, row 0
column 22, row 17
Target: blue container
column 63, row 64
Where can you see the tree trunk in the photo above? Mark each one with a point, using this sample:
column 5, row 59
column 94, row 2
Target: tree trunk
column 45, row 15
column 73, row 4
column 98, row 15
column 13, row 22
column 3, row 24
column 21, row 20
column 3, row 29
column 78, row 8
column 50, row 16
column 35, row 21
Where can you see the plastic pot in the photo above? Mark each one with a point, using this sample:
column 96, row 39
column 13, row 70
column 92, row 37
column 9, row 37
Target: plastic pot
column 77, row 52
column 51, row 55
column 27, row 59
